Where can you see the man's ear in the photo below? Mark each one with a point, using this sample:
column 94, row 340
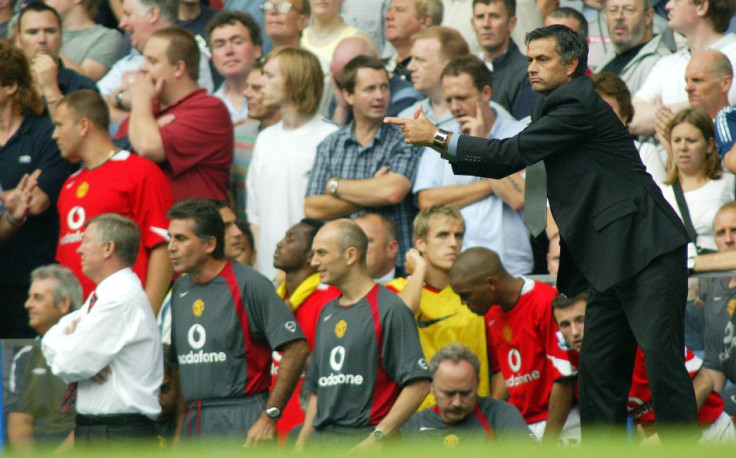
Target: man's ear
column 65, row 306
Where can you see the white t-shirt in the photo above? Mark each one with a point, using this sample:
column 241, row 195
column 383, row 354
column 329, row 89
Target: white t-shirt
column 703, row 204
column 667, row 78
column 277, row 182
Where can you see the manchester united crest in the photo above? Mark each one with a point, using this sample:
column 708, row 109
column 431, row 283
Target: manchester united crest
column 451, row 441
column 340, row 328
column 82, row 190
column 507, row 333
column 198, row 307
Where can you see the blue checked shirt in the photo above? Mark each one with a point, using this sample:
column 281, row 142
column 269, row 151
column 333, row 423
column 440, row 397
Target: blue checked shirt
column 341, row 155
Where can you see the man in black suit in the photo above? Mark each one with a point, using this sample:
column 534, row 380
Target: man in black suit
column 619, row 237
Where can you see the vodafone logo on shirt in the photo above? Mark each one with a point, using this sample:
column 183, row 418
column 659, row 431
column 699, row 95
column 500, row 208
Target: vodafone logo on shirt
column 337, row 358
column 75, row 221
column 196, row 337
column 514, row 360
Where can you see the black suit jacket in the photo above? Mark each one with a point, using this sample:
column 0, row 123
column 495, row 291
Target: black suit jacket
column 612, row 217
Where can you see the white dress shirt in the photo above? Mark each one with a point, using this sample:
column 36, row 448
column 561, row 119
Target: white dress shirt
column 119, row 331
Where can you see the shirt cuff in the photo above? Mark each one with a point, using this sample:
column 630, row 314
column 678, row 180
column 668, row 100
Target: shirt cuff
column 451, row 153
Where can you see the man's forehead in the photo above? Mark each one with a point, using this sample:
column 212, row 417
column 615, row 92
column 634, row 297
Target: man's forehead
column 635, row 3
column 230, row 30
column 366, row 75
column 725, row 217
column 544, row 45
column 462, row 80
column 38, row 19
column 44, row 285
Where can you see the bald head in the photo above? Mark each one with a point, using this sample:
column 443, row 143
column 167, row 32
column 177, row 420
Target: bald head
column 476, row 264
column 347, row 50
column 347, row 234
column 715, row 61
column 708, row 79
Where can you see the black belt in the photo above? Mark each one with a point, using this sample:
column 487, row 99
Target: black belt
column 113, row 419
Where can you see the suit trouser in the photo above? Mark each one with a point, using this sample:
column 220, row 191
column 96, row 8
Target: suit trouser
column 647, row 309
column 115, row 431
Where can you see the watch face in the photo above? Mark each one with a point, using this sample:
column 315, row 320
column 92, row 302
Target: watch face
column 273, row 412
column 378, row 434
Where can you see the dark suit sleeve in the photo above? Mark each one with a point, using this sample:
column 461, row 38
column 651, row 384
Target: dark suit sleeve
column 563, row 125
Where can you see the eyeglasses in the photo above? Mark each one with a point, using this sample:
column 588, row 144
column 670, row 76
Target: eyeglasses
column 282, row 7
column 626, row 11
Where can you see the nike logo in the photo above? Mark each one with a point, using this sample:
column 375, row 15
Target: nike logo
column 327, row 317
column 426, row 428
column 183, row 294
column 424, row 324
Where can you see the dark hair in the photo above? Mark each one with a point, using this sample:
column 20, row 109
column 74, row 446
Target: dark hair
column 561, row 301
column 15, row 69
column 570, row 45
column 231, row 18
column 611, row 85
column 37, row 7
column 314, row 224
column 207, row 221
column 567, row 12
column 472, row 66
column 182, row 47
column 510, row 5
column 245, row 229
column 719, row 12
column 349, row 73
column 86, row 103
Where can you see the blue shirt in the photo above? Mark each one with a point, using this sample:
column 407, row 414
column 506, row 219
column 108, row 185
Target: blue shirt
column 341, row 155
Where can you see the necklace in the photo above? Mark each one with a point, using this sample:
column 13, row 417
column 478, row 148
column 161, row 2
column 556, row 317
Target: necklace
column 107, row 158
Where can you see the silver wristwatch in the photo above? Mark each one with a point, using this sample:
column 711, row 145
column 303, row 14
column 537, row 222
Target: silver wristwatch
column 273, row 412
column 440, row 139
column 332, row 186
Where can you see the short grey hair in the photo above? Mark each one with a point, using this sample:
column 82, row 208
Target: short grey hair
column 122, row 231
column 67, row 285
column 169, row 9
column 454, row 352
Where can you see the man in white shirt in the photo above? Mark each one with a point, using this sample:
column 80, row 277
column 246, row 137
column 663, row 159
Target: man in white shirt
column 284, row 153
column 110, row 349
column 704, row 25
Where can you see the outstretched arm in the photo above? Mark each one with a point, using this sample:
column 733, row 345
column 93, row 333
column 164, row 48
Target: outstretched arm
column 418, row 131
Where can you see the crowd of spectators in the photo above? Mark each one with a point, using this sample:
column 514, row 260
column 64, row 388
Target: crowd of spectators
column 250, row 133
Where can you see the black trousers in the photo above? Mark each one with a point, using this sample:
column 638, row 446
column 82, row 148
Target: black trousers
column 116, row 431
column 647, row 309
